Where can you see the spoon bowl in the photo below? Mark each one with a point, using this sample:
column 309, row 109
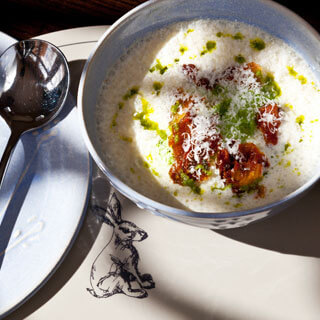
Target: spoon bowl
column 34, row 82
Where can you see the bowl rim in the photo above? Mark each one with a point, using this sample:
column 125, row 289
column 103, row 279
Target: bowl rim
column 139, row 198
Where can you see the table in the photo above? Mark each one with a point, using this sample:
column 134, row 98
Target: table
column 24, row 19
column 32, row 17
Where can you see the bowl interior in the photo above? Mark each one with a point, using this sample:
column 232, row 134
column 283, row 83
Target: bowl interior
column 153, row 15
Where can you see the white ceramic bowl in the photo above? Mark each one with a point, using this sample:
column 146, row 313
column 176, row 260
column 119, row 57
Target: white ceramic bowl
column 268, row 16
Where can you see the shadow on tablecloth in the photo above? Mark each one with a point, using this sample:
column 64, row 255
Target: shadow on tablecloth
column 296, row 230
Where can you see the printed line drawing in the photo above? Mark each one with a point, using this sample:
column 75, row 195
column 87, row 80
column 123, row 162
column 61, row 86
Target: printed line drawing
column 115, row 270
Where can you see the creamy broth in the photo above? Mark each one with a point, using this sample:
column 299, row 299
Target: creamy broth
column 210, row 63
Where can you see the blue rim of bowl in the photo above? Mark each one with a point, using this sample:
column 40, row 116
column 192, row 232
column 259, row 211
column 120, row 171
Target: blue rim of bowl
column 152, row 204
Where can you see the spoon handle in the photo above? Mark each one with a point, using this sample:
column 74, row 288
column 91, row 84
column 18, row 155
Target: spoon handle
column 14, row 137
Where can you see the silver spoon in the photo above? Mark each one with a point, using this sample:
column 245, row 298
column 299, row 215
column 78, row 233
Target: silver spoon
column 34, row 82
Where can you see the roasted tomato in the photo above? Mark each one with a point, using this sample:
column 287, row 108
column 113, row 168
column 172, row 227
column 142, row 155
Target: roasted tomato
column 195, row 165
column 246, row 170
column 254, row 67
column 191, row 71
column 268, row 122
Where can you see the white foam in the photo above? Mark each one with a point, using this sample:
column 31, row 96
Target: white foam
column 289, row 169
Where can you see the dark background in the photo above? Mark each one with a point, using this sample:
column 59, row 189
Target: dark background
column 24, row 19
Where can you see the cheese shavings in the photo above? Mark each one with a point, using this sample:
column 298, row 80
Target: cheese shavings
column 216, row 125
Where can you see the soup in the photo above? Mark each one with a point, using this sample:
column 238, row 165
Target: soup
column 212, row 116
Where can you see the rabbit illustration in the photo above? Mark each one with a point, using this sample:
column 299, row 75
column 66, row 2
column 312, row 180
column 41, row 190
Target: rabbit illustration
column 115, row 270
